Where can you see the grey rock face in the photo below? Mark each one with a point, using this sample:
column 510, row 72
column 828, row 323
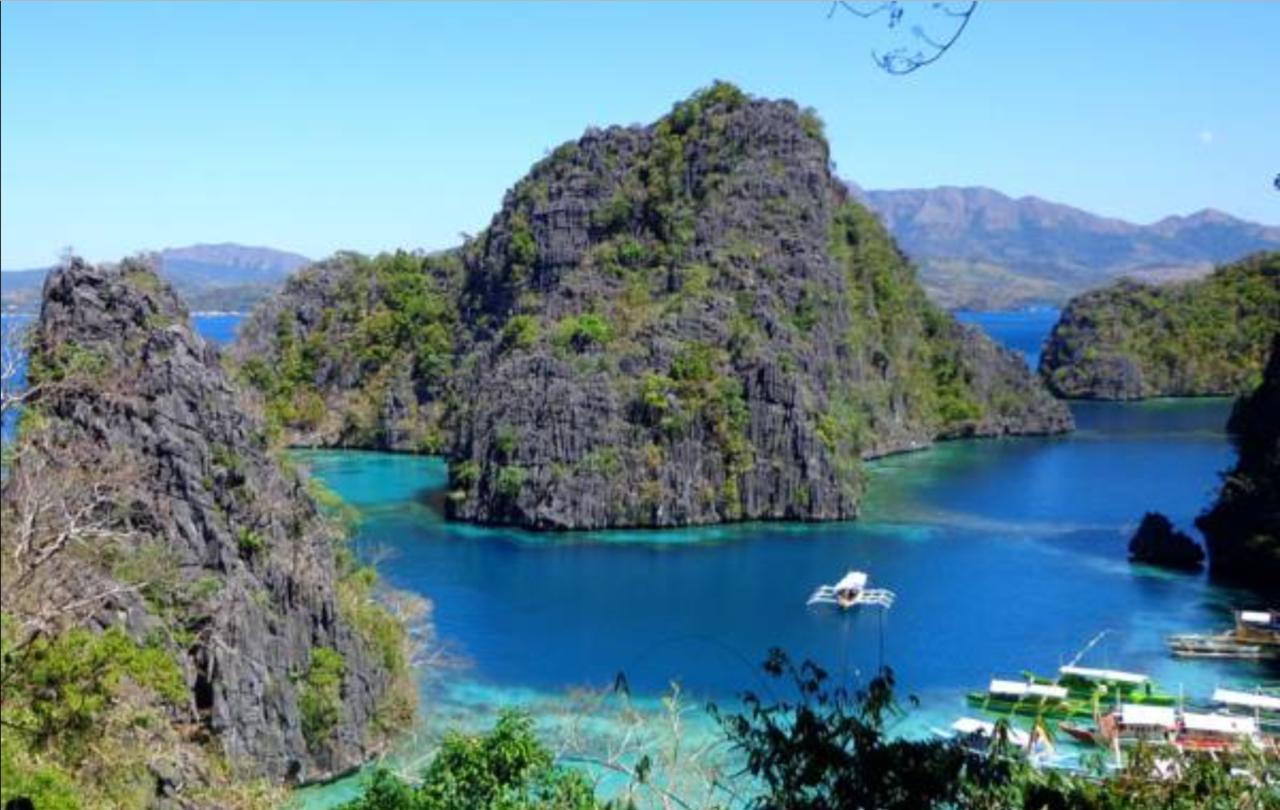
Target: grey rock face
column 243, row 533
column 722, row 334
column 684, row 323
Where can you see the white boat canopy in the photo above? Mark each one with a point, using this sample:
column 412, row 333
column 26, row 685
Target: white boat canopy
column 851, row 590
column 1232, row 697
column 1022, row 689
column 1219, row 724
column 852, row 581
column 1139, row 715
column 1255, row 616
column 1113, row 675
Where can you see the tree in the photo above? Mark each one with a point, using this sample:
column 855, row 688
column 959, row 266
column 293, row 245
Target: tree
column 933, row 30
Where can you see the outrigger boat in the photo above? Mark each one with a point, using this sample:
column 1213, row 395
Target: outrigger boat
column 1218, row 732
column 1256, row 635
column 1163, row 725
column 1028, row 699
column 851, row 591
column 979, row 736
column 1128, row 725
column 1222, row 645
column 1087, row 683
column 1264, row 708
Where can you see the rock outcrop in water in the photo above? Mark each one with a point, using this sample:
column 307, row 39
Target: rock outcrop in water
column 1243, row 527
column 291, row 670
column 1157, row 542
column 683, row 323
column 1194, row 338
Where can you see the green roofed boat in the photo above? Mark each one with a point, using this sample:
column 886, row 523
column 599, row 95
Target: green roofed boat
column 1007, row 697
column 1110, row 686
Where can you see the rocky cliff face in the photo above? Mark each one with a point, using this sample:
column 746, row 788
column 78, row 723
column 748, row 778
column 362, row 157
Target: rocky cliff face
column 691, row 322
column 247, row 576
column 358, row 352
column 1243, row 527
column 1194, row 338
column 683, row 323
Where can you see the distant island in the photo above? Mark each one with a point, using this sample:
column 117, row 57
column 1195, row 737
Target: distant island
column 684, row 323
column 1194, row 338
column 980, row 249
column 224, row 277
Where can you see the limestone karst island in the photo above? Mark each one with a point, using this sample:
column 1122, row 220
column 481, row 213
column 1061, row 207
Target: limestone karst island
column 612, row 406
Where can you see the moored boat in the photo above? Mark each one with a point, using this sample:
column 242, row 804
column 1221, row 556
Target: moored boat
column 850, row 591
column 1217, row 732
column 1128, row 725
column 980, row 735
column 1264, row 708
column 1108, row 685
column 1221, row 645
column 1258, row 626
column 1028, row 699
column 1256, row 635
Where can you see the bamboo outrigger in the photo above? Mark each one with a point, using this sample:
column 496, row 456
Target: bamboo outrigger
column 851, row 591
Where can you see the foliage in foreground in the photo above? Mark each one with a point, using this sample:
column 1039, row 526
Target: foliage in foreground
column 507, row 768
column 826, row 748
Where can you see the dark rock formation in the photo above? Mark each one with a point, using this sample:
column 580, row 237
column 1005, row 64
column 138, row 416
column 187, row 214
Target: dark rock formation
column 1157, row 542
column 692, row 322
column 1242, row 528
column 683, row 323
column 249, row 574
column 1194, row 338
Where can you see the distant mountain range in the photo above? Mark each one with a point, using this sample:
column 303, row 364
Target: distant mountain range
column 224, row 276
column 976, row 249
column 980, row 249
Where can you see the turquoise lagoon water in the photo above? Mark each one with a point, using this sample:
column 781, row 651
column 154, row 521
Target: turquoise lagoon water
column 1005, row 555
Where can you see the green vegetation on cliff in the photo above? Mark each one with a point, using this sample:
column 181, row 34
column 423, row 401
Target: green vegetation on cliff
column 682, row 323
column 181, row 617
column 1193, row 338
column 356, row 351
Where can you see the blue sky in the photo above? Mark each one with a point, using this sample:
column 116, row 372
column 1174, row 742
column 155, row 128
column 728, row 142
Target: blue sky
column 314, row 127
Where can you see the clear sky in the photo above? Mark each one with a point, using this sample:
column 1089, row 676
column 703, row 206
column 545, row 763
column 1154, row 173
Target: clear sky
column 314, row 127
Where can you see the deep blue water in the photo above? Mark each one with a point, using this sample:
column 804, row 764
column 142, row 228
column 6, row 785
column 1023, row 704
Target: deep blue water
column 1024, row 330
column 1005, row 554
column 219, row 327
